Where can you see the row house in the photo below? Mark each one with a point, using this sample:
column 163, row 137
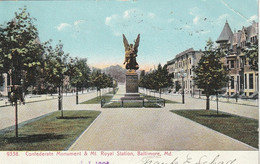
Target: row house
column 184, row 63
column 243, row 80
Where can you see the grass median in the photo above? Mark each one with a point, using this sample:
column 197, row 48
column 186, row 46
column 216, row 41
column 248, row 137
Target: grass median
column 49, row 133
column 240, row 128
column 97, row 100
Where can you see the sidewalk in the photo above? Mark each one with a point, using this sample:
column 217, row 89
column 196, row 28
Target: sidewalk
column 42, row 107
column 151, row 129
column 36, row 98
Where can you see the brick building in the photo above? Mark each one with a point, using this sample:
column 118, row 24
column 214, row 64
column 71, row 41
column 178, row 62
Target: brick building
column 243, row 80
column 185, row 61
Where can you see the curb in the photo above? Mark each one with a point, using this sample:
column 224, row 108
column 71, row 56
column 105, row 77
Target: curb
column 73, row 143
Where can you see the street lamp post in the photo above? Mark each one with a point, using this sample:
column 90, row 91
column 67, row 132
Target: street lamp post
column 228, row 90
column 237, row 89
column 193, row 89
column 217, row 100
column 182, row 74
column 182, row 89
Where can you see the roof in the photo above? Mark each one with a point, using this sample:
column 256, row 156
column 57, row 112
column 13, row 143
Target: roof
column 180, row 54
column 184, row 52
column 37, row 40
column 226, row 34
column 252, row 30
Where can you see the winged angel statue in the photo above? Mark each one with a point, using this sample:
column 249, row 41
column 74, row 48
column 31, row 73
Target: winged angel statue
column 131, row 53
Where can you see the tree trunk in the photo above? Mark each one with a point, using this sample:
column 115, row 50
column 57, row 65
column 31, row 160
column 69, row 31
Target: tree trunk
column 77, row 96
column 16, row 119
column 97, row 93
column 60, row 101
column 207, row 103
column 217, row 101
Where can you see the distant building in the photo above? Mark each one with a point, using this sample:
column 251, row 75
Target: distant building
column 243, row 80
column 3, row 86
column 185, row 60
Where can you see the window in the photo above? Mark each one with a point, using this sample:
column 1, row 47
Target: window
column 241, row 82
column 232, row 82
column 190, row 71
column 245, row 81
column 232, row 64
column 251, row 82
column 249, row 62
column 242, row 63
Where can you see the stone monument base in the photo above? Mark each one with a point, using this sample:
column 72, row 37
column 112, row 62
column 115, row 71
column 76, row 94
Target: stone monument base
column 132, row 96
column 131, row 86
column 131, row 79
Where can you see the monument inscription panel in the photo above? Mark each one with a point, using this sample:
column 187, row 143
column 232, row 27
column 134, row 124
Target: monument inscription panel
column 131, row 84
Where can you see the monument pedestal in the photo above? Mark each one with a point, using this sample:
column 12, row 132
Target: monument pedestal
column 131, row 86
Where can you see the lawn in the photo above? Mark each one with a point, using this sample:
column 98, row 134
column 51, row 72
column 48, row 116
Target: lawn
column 50, row 132
column 97, row 100
column 154, row 98
column 240, row 128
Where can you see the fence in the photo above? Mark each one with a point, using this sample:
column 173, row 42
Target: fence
column 120, row 103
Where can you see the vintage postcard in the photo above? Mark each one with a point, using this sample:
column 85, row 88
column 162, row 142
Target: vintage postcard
column 129, row 81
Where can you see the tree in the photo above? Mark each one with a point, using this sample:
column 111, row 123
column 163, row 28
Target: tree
column 79, row 73
column 100, row 80
column 141, row 79
column 252, row 54
column 20, row 54
column 55, row 68
column 82, row 65
column 157, row 79
column 96, row 80
column 74, row 73
column 211, row 74
column 162, row 78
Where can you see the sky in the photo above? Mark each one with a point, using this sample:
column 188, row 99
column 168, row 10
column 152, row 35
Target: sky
column 93, row 29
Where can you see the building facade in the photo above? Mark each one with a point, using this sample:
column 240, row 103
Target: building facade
column 243, row 80
column 184, row 62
